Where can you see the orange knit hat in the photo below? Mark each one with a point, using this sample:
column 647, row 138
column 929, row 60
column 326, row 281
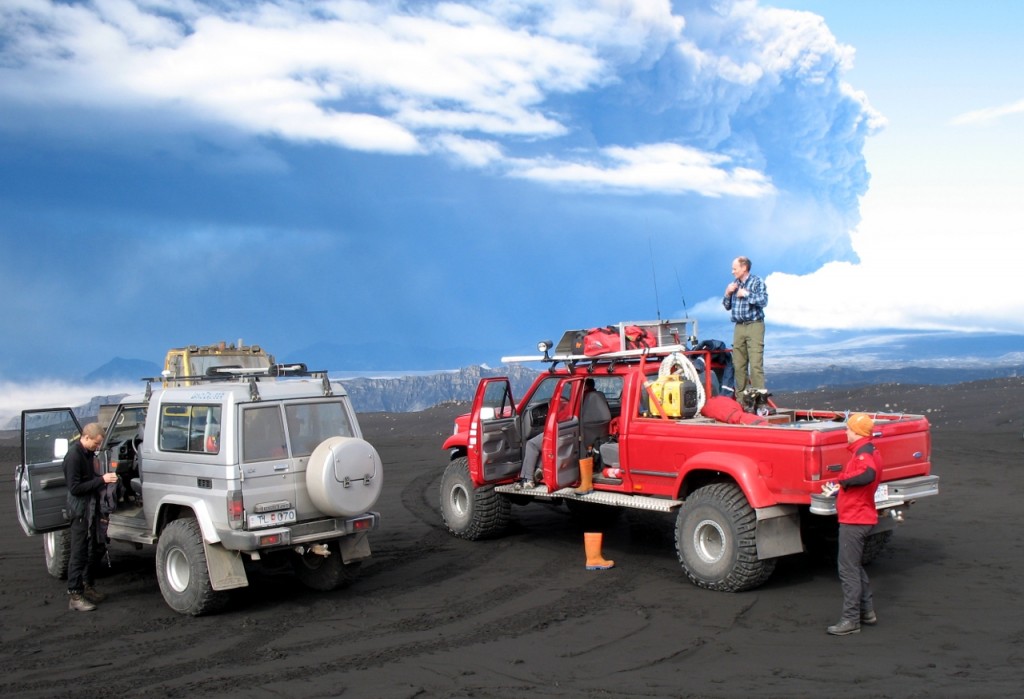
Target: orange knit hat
column 861, row 424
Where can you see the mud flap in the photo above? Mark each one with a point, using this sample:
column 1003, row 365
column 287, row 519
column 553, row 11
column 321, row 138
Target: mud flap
column 226, row 569
column 355, row 547
column 778, row 531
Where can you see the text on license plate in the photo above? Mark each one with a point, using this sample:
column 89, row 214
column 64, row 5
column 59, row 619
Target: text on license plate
column 882, row 493
column 271, row 519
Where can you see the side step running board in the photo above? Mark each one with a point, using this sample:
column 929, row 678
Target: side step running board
column 598, row 497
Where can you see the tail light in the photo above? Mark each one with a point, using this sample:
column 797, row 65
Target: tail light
column 812, row 464
column 236, row 510
column 362, row 523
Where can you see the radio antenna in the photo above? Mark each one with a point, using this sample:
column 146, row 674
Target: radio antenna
column 686, row 313
column 654, row 277
column 692, row 339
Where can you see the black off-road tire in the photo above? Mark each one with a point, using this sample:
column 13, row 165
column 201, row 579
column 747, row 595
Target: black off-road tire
column 181, row 570
column 57, row 552
column 716, row 531
column 325, row 573
column 470, row 512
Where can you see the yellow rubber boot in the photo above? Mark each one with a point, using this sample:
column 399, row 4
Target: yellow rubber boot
column 592, row 543
column 586, row 476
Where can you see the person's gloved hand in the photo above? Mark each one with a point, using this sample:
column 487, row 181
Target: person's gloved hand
column 829, row 489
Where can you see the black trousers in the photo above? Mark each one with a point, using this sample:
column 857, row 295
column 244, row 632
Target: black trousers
column 852, row 576
column 84, row 554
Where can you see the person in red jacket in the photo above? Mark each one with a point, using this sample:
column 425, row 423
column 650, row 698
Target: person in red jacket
column 855, row 505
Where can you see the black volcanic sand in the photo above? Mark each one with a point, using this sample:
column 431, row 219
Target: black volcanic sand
column 434, row 616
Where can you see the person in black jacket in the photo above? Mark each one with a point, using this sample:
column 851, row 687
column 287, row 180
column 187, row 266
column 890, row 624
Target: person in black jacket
column 84, row 486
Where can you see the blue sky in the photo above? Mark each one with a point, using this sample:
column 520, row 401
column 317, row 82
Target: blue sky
column 470, row 177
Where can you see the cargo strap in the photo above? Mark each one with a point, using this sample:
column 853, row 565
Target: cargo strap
column 654, row 399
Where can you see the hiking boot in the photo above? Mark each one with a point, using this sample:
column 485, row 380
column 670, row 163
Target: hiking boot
column 868, row 618
column 844, row 628
column 93, row 595
column 78, row 603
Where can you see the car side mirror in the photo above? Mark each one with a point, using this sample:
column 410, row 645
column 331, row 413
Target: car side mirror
column 60, row 448
column 487, row 413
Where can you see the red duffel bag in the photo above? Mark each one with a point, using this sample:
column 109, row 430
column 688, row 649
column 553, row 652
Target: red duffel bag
column 726, row 409
column 597, row 341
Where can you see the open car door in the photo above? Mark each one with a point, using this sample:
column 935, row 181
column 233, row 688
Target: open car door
column 40, row 488
column 495, row 449
column 560, row 453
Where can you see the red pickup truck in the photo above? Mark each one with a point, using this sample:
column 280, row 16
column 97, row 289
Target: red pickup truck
column 744, row 492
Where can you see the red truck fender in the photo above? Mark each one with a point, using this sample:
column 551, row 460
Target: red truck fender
column 459, row 439
column 456, row 441
column 741, row 469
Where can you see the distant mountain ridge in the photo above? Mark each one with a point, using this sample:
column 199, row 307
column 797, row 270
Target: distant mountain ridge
column 120, row 369
column 413, row 393
column 845, row 360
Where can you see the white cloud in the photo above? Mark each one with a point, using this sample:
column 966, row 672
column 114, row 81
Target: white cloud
column 984, row 116
column 402, row 78
column 748, row 42
column 278, row 70
column 929, row 259
column 39, row 395
column 138, row 26
column 663, row 167
column 470, row 151
column 628, row 30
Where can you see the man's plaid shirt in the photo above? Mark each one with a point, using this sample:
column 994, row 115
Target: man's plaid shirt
column 748, row 308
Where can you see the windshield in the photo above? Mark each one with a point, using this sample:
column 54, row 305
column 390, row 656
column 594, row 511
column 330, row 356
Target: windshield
column 126, row 425
column 199, row 365
column 544, row 391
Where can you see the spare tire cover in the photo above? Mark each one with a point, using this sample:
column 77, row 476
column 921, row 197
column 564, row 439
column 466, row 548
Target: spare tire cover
column 344, row 476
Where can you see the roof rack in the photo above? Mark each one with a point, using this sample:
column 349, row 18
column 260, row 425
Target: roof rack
column 238, row 374
column 679, row 335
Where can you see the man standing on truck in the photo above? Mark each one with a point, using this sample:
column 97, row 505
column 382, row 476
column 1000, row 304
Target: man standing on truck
column 745, row 298
column 84, row 486
column 855, row 505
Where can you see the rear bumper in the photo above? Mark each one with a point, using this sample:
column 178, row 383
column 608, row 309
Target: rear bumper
column 301, row 533
column 895, row 494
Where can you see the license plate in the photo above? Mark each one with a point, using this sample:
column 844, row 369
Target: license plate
column 882, row 493
column 271, row 519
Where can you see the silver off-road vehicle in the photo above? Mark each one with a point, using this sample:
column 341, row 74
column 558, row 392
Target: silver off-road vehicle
column 244, row 465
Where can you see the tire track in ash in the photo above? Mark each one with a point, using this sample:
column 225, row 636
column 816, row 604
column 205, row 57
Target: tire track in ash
column 464, row 626
column 412, row 544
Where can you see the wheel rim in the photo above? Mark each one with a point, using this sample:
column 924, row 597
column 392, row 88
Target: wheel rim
column 709, row 541
column 178, row 570
column 50, row 544
column 459, row 499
